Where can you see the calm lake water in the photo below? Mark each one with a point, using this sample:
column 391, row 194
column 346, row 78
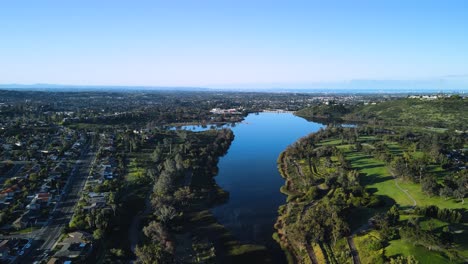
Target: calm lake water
column 249, row 173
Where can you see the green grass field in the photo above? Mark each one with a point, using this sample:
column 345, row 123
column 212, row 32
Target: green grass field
column 135, row 171
column 422, row 199
column 368, row 254
column 377, row 178
column 402, row 247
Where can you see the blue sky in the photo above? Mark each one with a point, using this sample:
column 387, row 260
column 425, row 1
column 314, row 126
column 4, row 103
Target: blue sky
column 232, row 43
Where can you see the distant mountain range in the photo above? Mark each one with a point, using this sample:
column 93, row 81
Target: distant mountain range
column 66, row 87
column 446, row 85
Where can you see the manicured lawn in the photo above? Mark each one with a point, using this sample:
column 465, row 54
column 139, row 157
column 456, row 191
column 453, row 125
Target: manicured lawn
column 331, row 142
column 394, row 148
column 377, row 178
column 438, row 171
column 367, row 138
column 422, row 199
column 423, row 255
column 430, row 224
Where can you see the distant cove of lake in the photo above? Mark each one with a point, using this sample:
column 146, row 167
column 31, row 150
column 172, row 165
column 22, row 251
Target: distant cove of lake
column 249, row 173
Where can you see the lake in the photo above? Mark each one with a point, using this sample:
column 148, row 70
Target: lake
column 249, row 173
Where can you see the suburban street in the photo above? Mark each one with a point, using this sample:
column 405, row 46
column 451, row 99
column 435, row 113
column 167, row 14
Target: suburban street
column 43, row 240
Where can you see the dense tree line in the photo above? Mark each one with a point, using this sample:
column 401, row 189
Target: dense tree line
column 177, row 160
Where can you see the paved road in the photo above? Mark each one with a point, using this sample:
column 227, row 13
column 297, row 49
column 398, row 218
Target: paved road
column 46, row 237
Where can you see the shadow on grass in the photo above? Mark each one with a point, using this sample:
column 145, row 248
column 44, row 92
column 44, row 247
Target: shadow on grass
column 369, row 166
column 374, row 178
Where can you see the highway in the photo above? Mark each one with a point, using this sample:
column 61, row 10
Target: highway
column 45, row 238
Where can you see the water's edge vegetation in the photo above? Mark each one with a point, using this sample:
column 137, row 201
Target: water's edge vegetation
column 387, row 191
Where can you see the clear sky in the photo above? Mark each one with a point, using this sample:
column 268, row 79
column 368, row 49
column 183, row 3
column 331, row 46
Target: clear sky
column 226, row 43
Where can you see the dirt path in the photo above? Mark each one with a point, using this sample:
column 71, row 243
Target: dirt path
column 134, row 230
column 403, row 190
column 354, row 252
column 311, row 253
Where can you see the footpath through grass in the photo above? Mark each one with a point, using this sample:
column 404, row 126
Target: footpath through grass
column 377, row 178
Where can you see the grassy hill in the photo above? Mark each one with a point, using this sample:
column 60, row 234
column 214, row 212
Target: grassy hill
column 443, row 113
column 324, row 112
column 439, row 113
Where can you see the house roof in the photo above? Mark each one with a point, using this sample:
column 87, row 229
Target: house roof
column 43, row 195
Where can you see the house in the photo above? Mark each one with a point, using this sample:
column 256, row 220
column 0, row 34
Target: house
column 96, row 200
column 33, row 205
column 78, row 245
column 106, row 172
column 40, row 200
column 11, row 191
column 44, row 198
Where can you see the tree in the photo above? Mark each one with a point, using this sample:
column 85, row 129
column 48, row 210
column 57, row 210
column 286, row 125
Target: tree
column 118, row 252
column 164, row 184
column 460, row 194
column 158, row 234
column 429, row 185
column 404, row 260
column 152, row 254
column 98, row 234
column 462, row 183
column 155, row 231
column 183, row 195
column 358, row 146
column 112, row 201
column 179, row 162
column 399, row 167
column 339, row 228
column 166, row 213
column 393, row 215
column 33, row 177
column 446, row 236
column 446, row 192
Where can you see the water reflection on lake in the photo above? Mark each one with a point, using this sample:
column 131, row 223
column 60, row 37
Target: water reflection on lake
column 198, row 128
column 249, row 173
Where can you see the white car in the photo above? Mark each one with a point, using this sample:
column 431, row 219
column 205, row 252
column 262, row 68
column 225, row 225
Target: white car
column 21, row 253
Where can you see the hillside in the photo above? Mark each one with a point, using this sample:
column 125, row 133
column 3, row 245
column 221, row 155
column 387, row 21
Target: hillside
column 324, row 112
column 439, row 113
column 443, row 113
